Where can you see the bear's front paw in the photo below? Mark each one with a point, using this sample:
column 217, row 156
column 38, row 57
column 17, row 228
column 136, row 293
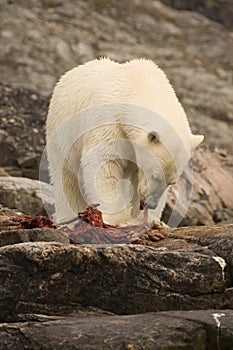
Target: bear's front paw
column 158, row 230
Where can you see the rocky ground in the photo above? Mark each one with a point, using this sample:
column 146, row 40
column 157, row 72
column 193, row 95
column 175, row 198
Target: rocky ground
column 54, row 295
column 63, row 296
column 40, row 40
column 218, row 10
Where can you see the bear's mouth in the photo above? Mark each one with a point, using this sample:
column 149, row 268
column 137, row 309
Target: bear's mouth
column 142, row 204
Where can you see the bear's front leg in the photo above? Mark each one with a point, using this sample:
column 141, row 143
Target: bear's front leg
column 154, row 215
column 111, row 191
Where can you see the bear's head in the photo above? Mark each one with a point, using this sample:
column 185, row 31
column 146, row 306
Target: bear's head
column 162, row 166
column 162, row 150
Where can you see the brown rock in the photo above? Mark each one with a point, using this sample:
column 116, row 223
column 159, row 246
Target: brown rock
column 54, row 278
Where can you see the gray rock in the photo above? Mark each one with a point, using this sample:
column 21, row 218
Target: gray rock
column 22, row 134
column 218, row 10
column 193, row 330
column 26, row 195
column 13, row 236
column 195, row 52
column 6, row 212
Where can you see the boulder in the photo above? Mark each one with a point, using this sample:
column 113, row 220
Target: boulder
column 26, row 195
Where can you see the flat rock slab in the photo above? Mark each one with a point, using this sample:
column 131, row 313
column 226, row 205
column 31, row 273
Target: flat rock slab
column 192, row 330
column 57, row 278
column 26, row 195
column 217, row 238
column 8, row 237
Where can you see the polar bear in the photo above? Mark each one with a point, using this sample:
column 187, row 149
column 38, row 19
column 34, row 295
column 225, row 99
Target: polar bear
column 118, row 136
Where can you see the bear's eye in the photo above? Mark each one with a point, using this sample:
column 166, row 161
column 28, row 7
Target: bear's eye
column 153, row 137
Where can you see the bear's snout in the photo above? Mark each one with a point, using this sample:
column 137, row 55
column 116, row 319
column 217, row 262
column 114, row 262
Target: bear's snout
column 156, row 190
column 151, row 203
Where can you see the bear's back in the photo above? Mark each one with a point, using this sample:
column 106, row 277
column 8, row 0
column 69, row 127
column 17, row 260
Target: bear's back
column 99, row 82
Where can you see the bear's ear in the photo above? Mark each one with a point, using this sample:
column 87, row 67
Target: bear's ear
column 196, row 140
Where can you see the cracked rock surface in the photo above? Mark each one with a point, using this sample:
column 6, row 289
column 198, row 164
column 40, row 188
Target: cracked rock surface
column 81, row 294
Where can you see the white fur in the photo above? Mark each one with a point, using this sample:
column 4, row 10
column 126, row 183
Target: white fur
column 99, row 119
